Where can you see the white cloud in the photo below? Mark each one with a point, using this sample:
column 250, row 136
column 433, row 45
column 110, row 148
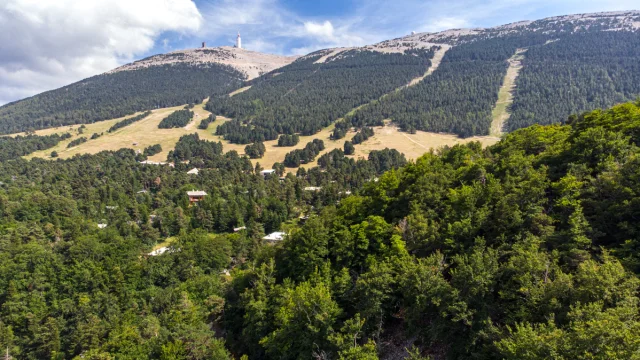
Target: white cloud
column 45, row 44
column 267, row 25
column 322, row 30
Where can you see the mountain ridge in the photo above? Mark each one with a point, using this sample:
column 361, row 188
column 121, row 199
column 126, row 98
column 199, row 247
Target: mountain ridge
column 251, row 63
column 190, row 75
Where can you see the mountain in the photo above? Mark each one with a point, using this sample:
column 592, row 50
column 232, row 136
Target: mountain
column 176, row 78
column 250, row 63
column 463, row 81
column 547, row 70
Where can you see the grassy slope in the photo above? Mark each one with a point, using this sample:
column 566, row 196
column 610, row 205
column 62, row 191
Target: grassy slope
column 500, row 113
column 145, row 133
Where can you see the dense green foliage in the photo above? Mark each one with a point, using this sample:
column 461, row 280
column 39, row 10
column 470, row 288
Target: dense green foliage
column 288, row 140
column 363, row 135
column 190, row 147
column 204, row 124
column 461, row 93
column 525, row 250
column 255, row 150
column 349, row 149
column 15, row 147
column 305, row 96
column 302, row 156
column 575, row 74
column 113, row 95
column 152, row 150
column 69, row 289
column 76, row 142
column 176, row 119
column 128, row 121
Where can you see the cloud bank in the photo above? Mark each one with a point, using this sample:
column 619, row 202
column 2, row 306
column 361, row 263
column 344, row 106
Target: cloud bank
column 48, row 44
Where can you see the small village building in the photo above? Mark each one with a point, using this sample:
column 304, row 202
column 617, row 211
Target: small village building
column 193, row 171
column 313, row 188
column 149, row 162
column 196, row 195
column 266, row 173
column 159, row 251
column 102, row 226
column 274, row 237
column 239, row 228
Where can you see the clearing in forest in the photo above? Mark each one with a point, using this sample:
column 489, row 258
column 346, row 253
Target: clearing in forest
column 413, row 145
column 145, row 133
column 435, row 62
column 500, row 113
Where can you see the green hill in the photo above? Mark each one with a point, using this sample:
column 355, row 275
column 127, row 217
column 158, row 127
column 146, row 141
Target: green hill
column 117, row 94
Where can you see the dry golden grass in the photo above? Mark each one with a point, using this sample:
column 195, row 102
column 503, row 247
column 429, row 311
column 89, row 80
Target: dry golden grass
column 413, row 145
column 145, row 133
column 241, row 90
column 500, row 113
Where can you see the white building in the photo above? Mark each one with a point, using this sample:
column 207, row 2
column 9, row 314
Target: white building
column 193, row 171
column 149, row 162
column 313, row 188
column 239, row 42
column 267, row 172
column 159, row 251
column 274, row 237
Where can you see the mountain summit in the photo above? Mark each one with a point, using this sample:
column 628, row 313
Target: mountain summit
column 561, row 58
column 250, row 63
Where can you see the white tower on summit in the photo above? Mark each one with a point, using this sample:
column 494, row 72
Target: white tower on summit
column 239, row 42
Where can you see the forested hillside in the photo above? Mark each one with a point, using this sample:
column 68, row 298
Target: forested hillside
column 13, row 148
column 562, row 74
column 575, row 74
column 570, row 64
column 306, row 96
column 457, row 97
column 114, row 95
column 72, row 289
column 523, row 250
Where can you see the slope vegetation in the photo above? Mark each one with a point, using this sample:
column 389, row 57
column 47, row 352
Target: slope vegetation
column 501, row 111
column 576, row 73
column 525, row 250
column 185, row 76
column 118, row 94
column 307, row 96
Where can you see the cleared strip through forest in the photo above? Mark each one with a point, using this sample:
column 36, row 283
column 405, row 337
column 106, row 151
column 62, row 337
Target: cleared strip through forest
column 500, row 113
column 435, row 62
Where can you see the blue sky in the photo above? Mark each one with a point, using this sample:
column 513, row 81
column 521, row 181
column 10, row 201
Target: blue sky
column 298, row 26
column 51, row 43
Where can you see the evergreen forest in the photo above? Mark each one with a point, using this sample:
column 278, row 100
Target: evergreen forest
column 117, row 94
column 527, row 249
column 306, row 96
